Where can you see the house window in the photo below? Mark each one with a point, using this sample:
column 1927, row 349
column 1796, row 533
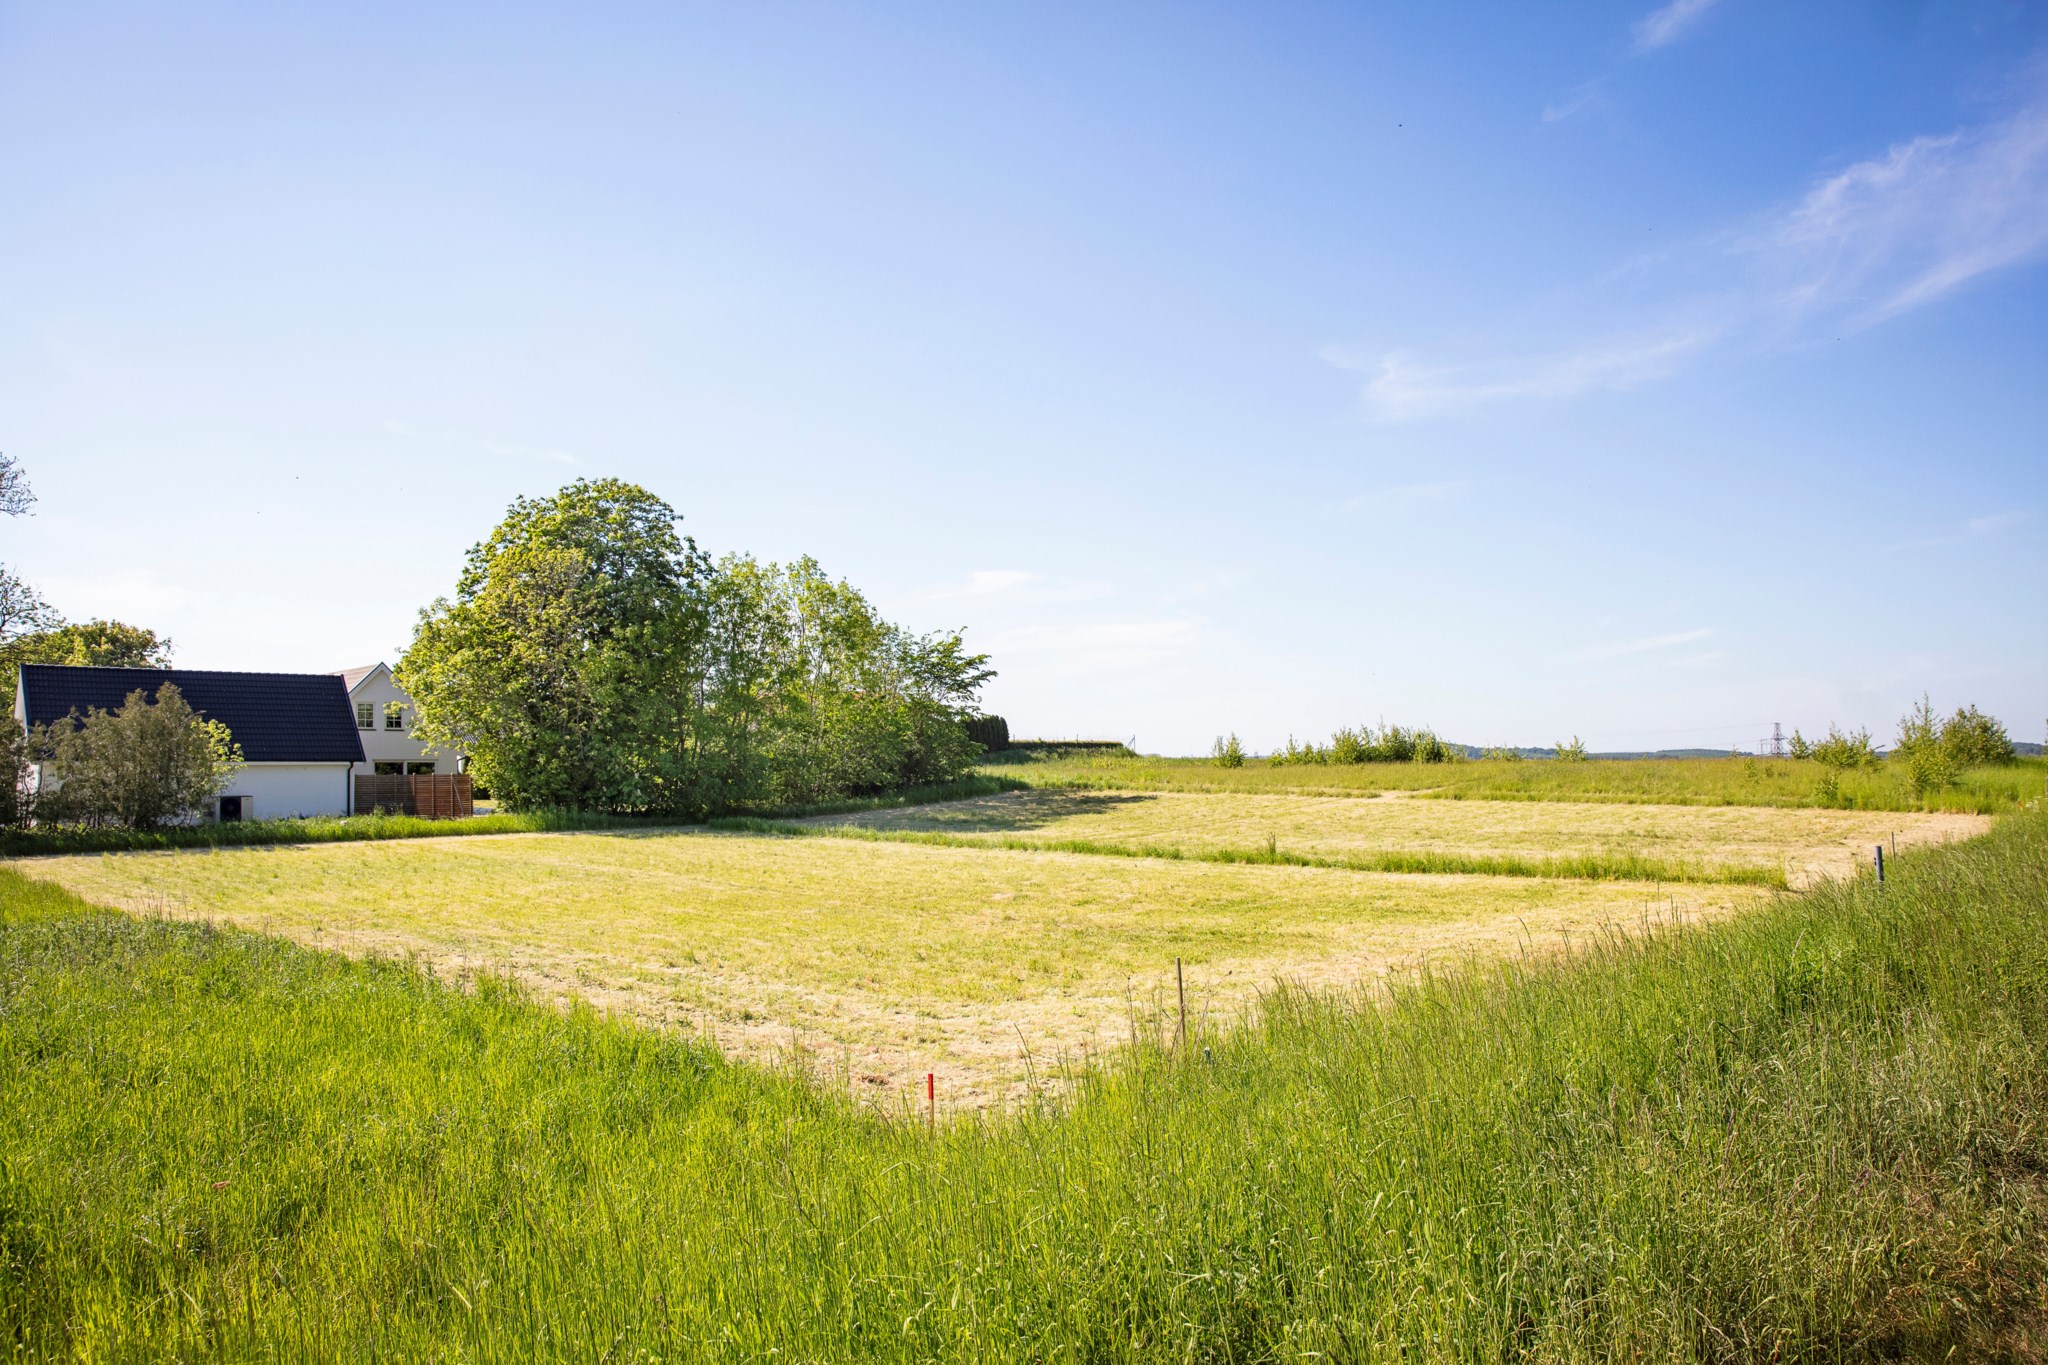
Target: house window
column 366, row 715
column 394, row 715
column 418, row 769
column 389, row 769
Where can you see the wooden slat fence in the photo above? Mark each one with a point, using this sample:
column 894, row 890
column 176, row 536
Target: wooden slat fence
column 434, row 796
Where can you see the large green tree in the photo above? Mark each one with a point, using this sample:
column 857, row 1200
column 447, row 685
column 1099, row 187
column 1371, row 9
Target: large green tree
column 593, row 657
column 562, row 666
column 98, row 644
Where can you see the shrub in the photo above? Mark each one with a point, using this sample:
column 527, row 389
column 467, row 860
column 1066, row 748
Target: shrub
column 1228, row 753
column 1388, row 744
column 146, row 764
column 1840, row 750
column 1574, row 752
column 1972, row 739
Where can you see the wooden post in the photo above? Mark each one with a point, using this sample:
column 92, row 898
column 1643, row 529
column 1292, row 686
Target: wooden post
column 1180, row 988
column 1880, row 864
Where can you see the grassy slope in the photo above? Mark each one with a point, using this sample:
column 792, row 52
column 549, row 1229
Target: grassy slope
column 1678, row 782
column 1814, row 1131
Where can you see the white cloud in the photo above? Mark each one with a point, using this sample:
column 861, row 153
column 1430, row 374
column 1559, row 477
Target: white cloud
column 1643, row 646
column 1665, row 26
column 1400, row 387
column 986, row 582
column 1587, row 96
column 1996, row 522
column 1906, row 228
column 1886, row 235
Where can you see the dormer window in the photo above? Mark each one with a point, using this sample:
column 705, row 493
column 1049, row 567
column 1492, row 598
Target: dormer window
column 366, row 715
column 394, row 715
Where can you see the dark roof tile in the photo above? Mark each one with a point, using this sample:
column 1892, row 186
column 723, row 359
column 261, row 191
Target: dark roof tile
column 275, row 717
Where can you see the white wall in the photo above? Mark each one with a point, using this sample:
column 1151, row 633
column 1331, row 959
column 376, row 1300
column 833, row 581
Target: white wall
column 282, row 789
column 392, row 746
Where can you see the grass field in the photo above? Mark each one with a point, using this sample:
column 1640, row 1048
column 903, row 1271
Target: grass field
column 889, row 960
column 1685, row 782
column 1681, row 843
column 1815, row 1131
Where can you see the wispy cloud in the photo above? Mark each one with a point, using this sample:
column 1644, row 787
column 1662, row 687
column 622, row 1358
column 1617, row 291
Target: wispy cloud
column 1901, row 230
column 1644, row 645
column 1017, row 586
column 1662, row 27
column 1587, row 96
column 1976, row 528
column 1403, row 387
column 1881, row 237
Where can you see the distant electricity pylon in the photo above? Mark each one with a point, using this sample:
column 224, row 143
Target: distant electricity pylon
column 1774, row 747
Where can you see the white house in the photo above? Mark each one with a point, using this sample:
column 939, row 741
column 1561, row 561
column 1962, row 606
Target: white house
column 296, row 731
column 384, row 717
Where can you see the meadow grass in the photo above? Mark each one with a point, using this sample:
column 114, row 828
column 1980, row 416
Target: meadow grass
column 1755, row 845
column 1677, row 782
column 898, row 959
column 1812, row 1132
column 64, row 839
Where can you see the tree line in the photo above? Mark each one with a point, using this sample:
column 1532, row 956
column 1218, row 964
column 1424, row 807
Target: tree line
column 593, row 657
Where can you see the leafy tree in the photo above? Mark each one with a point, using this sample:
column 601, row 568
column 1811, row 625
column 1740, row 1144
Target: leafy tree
column 1840, row 750
column 1574, row 752
column 22, row 609
column 99, row 644
column 1918, row 749
column 1228, row 753
column 1974, row 740
column 145, row 764
column 593, row 657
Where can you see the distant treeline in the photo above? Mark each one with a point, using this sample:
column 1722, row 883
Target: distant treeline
column 593, row 658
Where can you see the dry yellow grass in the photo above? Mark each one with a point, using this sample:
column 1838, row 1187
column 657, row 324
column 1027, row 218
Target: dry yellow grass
column 897, row 959
column 1803, row 842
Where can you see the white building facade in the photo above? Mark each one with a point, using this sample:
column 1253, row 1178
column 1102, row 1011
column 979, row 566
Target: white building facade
column 384, row 718
column 300, row 749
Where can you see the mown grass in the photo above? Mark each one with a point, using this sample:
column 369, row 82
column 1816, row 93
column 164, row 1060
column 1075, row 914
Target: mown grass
column 58, row 840
column 1562, row 837
column 1678, row 782
column 904, row 959
column 1815, row 1132
column 1596, row 866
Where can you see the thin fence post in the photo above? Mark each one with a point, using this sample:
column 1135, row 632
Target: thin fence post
column 1880, row 864
column 1180, row 988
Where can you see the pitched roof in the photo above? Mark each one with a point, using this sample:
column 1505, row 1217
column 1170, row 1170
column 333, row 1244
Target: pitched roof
column 275, row 717
column 351, row 676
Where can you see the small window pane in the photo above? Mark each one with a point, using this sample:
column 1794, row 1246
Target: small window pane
column 418, row 769
column 386, row 769
column 394, row 715
column 366, row 715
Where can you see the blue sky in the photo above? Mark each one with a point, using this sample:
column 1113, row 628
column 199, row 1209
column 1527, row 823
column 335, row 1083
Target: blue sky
column 1645, row 374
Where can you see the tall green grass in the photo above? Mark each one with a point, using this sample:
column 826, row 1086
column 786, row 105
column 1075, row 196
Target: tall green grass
column 1653, row 781
column 1577, row 866
column 1816, row 1132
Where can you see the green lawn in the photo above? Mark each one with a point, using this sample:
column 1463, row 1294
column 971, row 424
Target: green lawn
column 1818, row 1131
